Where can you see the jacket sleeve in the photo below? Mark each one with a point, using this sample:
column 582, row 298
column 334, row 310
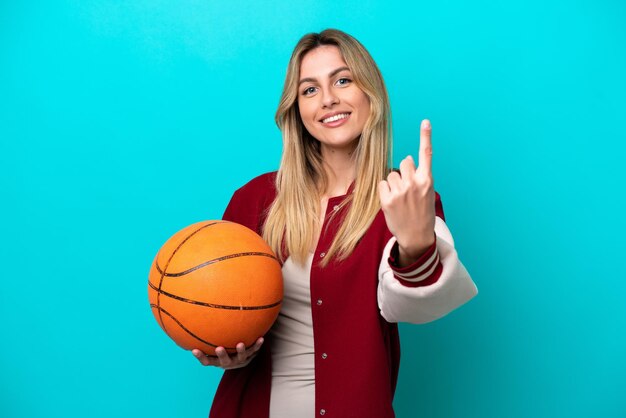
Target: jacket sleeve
column 428, row 289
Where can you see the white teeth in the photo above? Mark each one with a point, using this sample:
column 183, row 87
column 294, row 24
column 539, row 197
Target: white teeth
column 336, row 117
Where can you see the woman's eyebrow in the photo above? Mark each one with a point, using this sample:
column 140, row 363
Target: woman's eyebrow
column 332, row 73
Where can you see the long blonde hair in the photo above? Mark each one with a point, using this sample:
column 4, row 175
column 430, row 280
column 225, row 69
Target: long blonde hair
column 293, row 219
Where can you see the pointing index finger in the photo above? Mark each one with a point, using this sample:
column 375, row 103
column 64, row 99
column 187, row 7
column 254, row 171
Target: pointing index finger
column 426, row 147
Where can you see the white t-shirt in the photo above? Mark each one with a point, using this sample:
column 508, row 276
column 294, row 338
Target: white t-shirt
column 293, row 361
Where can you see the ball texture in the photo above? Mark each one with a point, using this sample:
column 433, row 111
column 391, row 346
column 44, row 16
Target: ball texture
column 215, row 283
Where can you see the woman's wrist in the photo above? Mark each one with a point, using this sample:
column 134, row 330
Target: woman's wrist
column 408, row 255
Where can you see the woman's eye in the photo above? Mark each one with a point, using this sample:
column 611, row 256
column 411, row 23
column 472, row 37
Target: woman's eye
column 308, row 90
column 346, row 79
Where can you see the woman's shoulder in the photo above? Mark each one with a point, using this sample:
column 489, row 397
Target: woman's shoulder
column 259, row 191
column 261, row 185
column 249, row 203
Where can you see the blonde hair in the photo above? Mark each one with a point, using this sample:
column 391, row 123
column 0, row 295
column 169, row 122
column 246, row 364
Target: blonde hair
column 293, row 219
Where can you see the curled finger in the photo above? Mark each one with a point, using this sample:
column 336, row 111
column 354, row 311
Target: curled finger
column 204, row 359
column 223, row 357
column 241, row 352
column 251, row 352
column 407, row 169
column 257, row 346
column 395, row 181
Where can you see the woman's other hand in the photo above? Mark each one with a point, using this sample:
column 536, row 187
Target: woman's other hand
column 225, row 361
column 408, row 201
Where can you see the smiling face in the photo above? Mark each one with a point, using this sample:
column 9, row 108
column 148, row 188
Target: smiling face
column 333, row 108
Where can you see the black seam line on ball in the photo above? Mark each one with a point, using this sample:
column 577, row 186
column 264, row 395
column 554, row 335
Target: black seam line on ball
column 212, row 305
column 215, row 260
column 168, row 262
column 183, row 327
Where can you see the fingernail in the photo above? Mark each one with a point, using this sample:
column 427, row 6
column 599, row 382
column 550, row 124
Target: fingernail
column 425, row 124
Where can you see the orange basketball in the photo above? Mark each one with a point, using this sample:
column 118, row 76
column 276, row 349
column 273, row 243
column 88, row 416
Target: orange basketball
column 215, row 283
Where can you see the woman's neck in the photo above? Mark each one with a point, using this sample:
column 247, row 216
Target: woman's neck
column 340, row 170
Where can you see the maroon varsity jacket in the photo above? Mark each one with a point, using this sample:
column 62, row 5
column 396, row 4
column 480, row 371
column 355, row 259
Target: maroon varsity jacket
column 357, row 350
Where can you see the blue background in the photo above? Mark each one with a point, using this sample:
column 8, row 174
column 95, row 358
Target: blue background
column 123, row 122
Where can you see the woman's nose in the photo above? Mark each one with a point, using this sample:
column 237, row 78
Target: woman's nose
column 329, row 98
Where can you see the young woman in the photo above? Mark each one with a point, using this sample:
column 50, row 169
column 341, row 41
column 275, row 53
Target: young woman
column 362, row 247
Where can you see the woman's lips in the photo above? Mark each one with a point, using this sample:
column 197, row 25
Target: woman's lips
column 337, row 123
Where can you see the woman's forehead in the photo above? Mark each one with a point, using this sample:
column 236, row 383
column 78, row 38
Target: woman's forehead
column 321, row 61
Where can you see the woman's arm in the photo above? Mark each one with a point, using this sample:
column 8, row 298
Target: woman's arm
column 428, row 289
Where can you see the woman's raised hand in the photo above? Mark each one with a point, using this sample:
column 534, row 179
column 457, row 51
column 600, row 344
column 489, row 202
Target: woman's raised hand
column 408, row 201
column 225, row 361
